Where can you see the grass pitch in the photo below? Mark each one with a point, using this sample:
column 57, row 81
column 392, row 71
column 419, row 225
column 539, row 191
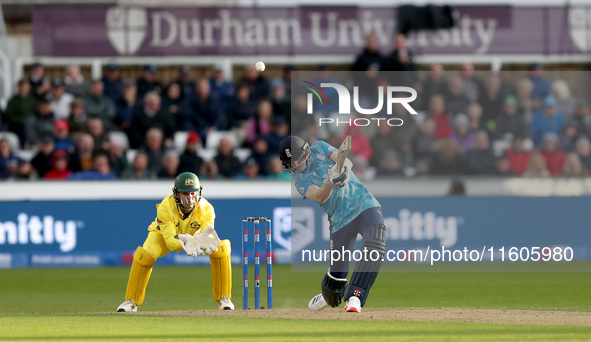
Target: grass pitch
column 79, row 304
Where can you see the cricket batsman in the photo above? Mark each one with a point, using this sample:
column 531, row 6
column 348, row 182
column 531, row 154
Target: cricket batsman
column 351, row 210
column 184, row 221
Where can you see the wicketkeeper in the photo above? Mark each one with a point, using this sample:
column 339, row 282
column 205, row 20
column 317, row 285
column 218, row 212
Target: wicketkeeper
column 184, row 221
column 351, row 210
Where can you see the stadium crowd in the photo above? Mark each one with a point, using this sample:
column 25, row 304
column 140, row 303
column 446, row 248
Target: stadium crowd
column 69, row 128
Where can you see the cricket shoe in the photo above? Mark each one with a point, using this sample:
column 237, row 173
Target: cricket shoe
column 317, row 303
column 127, row 306
column 353, row 305
column 226, row 304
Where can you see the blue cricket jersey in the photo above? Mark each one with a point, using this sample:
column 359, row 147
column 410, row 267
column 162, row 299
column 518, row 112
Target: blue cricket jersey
column 344, row 204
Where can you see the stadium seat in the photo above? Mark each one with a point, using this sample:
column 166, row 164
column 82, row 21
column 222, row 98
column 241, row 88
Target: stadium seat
column 213, row 139
column 242, row 154
column 130, row 155
column 180, row 140
column 499, row 147
column 27, row 155
column 207, row 153
column 121, row 138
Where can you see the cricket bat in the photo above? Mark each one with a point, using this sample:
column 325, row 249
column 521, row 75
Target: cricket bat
column 343, row 152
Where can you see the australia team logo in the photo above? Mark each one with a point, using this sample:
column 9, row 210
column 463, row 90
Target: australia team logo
column 126, row 28
column 579, row 22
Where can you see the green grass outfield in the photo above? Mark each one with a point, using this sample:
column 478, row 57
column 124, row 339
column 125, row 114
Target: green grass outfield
column 79, row 304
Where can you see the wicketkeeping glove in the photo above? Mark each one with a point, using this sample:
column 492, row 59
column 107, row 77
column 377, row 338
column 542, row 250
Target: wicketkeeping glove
column 206, row 242
column 338, row 180
column 190, row 245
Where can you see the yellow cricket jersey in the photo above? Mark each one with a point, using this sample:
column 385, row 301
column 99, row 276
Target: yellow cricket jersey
column 169, row 221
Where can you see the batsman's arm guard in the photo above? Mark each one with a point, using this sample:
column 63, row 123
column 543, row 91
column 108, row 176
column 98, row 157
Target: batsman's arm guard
column 333, row 289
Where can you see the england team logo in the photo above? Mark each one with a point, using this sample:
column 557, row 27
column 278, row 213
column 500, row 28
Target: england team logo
column 293, row 227
column 126, row 28
column 579, row 21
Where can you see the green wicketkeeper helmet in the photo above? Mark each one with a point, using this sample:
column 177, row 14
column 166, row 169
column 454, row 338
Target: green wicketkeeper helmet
column 186, row 182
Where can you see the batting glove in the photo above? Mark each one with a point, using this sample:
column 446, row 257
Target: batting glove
column 338, row 180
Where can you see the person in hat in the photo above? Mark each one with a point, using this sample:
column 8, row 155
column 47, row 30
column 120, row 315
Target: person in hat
column 61, row 137
column 59, row 166
column 40, row 124
column 40, row 84
column 42, row 161
column 185, row 82
column 184, row 222
column 112, row 82
column 148, row 82
column 250, row 170
column 190, row 161
column 541, row 85
column 509, row 122
column 78, row 119
column 547, row 120
column 60, row 100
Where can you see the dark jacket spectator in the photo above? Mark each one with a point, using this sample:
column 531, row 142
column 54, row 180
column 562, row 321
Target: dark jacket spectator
column 100, row 169
column 185, row 82
column 221, row 90
column 178, row 107
column 434, row 84
column 259, row 84
column 78, row 120
column 228, row 164
column 18, row 110
column 154, row 149
column 242, row 107
column 447, row 159
column 207, row 114
column 481, row 160
column 546, row 121
column 40, row 124
column 401, row 60
column 99, row 106
column 41, row 162
column 582, row 118
column 456, row 101
column 125, row 107
column 118, row 160
column 170, row 165
column 113, row 84
column 75, row 83
column 509, row 121
column 280, row 100
column 369, row 56
column 491, row 101
column 147, row 116
column 39, row 83
column 139, row 169
column 98, row 133
column 61, row 137
column 147, row 82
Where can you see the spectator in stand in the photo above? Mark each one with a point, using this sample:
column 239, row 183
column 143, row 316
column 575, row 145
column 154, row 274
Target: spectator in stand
column 250, row 170
column 60, row 100
column 525, row 103
column 447, row 159
column 424, row 146
column 518, row 157
column 154, row 149
column 170, row 165
column 210, row 171
column 401, row 60
column 61, row 137
column 553, row 157
column 150, row 115
column 147, row 83
column 178, row 106
column 190, row 161
column 491, row 101
column 276, row 171
column 507, row 87
column 435, row 84
column 370, row 55
column 112, row 82
column 242, row 108
column 98, row 133
column 462, row 134
column 573, row 167
column 39, row 83
column 582, row 118
column 279, row 131
column 287, row 77
column 441, row 117
column 380, row 143
column 99, row 106
column 139, row 170
column 101, row 170
column 59, row 167
column 125, row 107
column 390, row 164
column 474, row 112
column 481, row 159
column 280, row 100
column 536, row 167
column 18, row 110
column 85, row 151
column 75, row 83
column 77, row 120
column 566, row 102
column 228, row 164
column 11, row 165
column 118, row 160
column 456, row 101
column 41, row 162
column 472, row 85
column 185, row 82
column 401, row 142
column 259, row 126
column 222, row 90
column 503, row 167
column 259, row 84
column 40, row 124
column 207, row 115
column 509, row 122
column 568, row 138
column 547, row 121
column 583, row 150
column 541, row 85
